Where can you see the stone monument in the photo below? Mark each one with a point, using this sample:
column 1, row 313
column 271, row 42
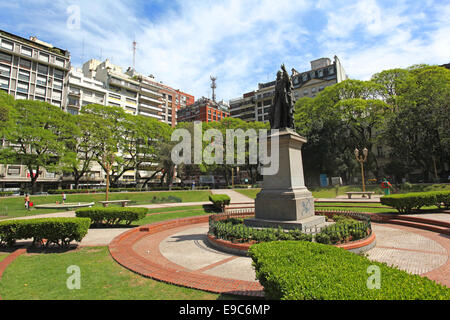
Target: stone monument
column 284, row 200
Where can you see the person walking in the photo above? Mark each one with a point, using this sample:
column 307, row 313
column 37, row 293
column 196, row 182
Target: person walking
column 63, row 197
column 386, row 185
column 27, row 202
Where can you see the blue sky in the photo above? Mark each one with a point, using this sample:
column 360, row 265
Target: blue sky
column 241, row 42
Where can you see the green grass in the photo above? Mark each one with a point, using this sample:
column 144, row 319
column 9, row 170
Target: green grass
column 3, row 256
column 176, row 213
column 328, row 192
column 11, row 207
column 251, row 193
column 43, row 276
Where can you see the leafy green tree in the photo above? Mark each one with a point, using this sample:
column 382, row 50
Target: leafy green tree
column 37, row 138
column 82, row 145
column 418, row 133
column 342, row 117
column 6, row 108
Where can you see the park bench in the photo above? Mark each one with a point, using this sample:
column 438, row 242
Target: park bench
column 368, row 193
column 122, row 202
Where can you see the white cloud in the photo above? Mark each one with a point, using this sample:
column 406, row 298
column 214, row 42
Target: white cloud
column 242, row 42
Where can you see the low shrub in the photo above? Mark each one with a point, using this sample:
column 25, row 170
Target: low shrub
column 6, row 193
column 234, row 230
column 407, row 202
column 344, row 230
column 299, row 270
column 220, row 200
column 60, row 231
column 112, row 216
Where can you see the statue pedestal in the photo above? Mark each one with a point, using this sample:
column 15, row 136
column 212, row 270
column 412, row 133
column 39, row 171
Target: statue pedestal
column 284, row 200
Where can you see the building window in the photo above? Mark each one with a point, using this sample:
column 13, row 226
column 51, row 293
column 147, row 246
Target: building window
column 57, row 84
column 20, row 96
column 25, row 63
column 312, row 74
column 14, row 170
column 24, row 75
column 40, row 91
column 59, row 62
column 5, row 70
column 331, row 70
column 320, row 73
column 42, row 69
column 305, row 92
column 56, row 95
column 304, row 77
column 114, row 96
column 58, row 74
column 7, row 45
column 22, row 87
column 26, row 51
column 43, row 57
column 72, row 111
column 40, row 80
column 4, row 83
column 4, row 57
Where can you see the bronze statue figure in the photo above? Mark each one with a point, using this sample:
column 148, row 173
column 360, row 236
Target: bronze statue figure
column 282, row 110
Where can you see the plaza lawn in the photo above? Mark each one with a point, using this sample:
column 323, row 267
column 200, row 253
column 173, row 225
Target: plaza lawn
column 157, row 215
column 43, row 276
column 11, row 207
column 328, row 192
column 3, row 256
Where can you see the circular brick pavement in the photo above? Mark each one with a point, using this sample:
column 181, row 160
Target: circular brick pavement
column 179, row 253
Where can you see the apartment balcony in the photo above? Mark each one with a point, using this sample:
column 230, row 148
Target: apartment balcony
column 142, row 113
column 147, row 98
column 124, row 84
column 148, row 107
column 74, row 93
column 153, row 92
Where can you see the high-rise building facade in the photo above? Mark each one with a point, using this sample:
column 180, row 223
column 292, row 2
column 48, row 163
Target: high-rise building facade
column 255, row 105
column 32, row 69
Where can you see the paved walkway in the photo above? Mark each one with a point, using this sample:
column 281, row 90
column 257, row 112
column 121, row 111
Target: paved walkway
column 235, row 196
column 99, row 236
column 185, row 250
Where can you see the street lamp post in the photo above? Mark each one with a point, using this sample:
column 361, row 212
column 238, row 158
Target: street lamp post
column 361, row 159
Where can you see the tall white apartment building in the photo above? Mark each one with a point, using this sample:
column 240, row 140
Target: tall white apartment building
column 32, row 69
column 122, row 90
column 35, row 70
column 83, row 90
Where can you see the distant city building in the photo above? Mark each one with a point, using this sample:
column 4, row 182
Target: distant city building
column 255, row 105
column 83, row 90
column 205, row 110
column 33, row 69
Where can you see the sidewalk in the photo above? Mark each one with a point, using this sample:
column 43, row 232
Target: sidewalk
column 235, row 197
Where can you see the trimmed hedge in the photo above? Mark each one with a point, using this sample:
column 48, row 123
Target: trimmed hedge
column 344, row 230
column 60, row 231
column 234, row 230
column 220, row 200
column 112, row 216
column 6, row 193
column 299, row 270
column 407, row 202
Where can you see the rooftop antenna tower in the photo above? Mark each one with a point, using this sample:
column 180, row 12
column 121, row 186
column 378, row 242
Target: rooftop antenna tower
column 134, row 53
column 213, row 86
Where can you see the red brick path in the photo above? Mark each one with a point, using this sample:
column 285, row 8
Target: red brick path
column 154, row 265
